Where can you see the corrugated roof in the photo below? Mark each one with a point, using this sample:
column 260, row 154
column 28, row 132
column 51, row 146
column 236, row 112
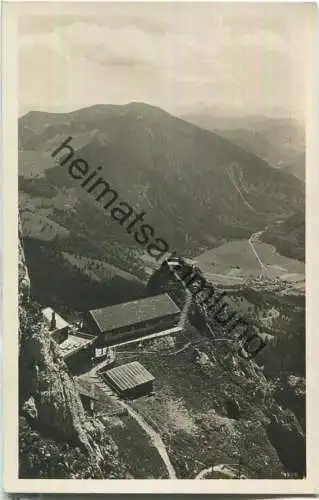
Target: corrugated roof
column 130, row 313
column 129, row 376
column 47, row 315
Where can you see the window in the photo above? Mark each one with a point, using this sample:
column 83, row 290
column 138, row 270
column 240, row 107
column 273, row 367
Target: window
column 99, row 352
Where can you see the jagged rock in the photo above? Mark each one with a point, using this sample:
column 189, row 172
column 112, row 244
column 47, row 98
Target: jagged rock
column 49, row 396
column 30, row 409
column 298, row 384
column 202, row 359
column 23, row 280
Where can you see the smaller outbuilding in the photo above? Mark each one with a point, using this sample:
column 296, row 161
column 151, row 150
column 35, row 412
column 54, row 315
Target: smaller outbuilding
column 131, row 380
column 58, row 327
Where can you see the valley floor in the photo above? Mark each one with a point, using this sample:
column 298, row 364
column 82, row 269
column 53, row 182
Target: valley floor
column 241, row 261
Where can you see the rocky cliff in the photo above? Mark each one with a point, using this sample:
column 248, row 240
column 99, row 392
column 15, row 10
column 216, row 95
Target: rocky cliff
column 57, row 438
column 244, row 399
column 24, row 281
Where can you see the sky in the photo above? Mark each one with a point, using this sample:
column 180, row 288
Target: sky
column 184, row 57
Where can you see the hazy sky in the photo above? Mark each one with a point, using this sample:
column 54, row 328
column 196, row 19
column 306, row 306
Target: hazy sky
column 179, row 56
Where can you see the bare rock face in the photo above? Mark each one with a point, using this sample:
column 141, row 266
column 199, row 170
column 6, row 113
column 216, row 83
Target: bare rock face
column 29, row 409
column 24, row 281
column 49, row 400
column 56, row 400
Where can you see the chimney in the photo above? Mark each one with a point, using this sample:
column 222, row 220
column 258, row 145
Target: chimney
column 53, row 321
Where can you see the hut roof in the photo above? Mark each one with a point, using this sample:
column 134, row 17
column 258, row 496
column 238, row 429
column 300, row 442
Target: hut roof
column 137, row 311
column 128, row 376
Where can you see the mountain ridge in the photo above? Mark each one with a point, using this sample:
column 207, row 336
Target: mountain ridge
column 197, row 189
column 280, row 141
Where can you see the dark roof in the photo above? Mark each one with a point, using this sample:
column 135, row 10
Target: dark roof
column 129, row 376
column 130, row 313
column 86, row 390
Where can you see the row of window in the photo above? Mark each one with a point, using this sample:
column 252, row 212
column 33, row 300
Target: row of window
column 135, row 329
column 100, row 351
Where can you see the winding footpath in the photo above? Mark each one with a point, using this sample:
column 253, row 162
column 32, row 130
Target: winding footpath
column 231, row 174
column 184, row 313
column 156, row 439
column 263, row 268
column 203, row 473
column 154, row 436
